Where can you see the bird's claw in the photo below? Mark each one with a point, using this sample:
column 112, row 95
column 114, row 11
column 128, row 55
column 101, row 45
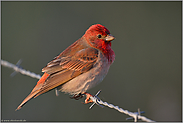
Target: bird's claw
column 77, row 96
column 88, row 100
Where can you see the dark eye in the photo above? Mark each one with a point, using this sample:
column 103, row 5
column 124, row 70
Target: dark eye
column 99, row 36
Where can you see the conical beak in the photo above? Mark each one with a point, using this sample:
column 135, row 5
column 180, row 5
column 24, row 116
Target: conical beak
column 109, row 37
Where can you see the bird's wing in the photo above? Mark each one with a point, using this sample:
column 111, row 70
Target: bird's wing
column 63, row 69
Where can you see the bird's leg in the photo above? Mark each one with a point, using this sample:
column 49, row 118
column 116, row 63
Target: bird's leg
column 88, row 100
column 77, row 96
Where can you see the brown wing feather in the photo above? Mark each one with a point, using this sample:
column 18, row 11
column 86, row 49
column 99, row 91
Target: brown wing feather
column 63, row 69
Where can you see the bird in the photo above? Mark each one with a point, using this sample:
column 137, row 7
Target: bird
column 79, row 67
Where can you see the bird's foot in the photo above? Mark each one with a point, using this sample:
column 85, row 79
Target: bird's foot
column 88, row 100
column 77, row 96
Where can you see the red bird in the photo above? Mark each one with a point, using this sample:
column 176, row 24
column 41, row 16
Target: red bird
column 79, row 67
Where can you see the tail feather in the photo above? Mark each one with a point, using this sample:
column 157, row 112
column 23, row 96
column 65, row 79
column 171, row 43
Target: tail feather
column 29, row 97
column 35, row 91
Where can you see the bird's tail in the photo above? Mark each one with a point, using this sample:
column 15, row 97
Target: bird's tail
column 35, row 91
column 29, row 97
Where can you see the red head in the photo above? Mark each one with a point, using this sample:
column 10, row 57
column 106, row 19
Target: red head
column 99, row 37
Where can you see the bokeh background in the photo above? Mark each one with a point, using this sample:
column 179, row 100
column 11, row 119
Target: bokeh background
column 146, row 73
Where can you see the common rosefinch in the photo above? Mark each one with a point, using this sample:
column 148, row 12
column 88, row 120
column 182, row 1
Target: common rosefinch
column 79, row 67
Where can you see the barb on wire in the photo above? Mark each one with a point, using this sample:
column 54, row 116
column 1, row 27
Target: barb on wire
column 95, row 99
column 135, row 115
column 19, row 69
column 96, row 102
column 18, row 65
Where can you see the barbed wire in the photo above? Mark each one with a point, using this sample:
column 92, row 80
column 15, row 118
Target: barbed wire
column 17, row 68
column 96, row 100
column 136, row 115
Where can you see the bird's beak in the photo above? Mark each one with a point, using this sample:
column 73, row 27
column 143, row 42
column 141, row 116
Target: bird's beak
column 109, row 37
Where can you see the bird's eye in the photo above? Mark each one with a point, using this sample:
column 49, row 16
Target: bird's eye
column 99, row 36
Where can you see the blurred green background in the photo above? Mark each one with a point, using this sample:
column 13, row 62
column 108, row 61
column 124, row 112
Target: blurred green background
column 146, row 73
